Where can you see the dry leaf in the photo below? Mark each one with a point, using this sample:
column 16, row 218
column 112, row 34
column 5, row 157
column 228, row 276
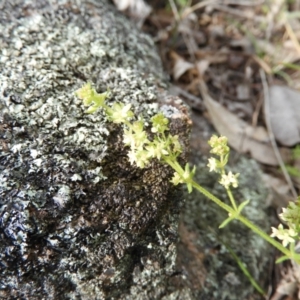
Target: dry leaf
column 285, row 289
column 241, row 136
column 137, row 9
column 202, row 66
column 279, row 191
column 180, row 65
column 285, row 114
column 243, row 91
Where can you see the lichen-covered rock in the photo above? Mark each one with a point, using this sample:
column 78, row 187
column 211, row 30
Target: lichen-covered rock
column 77, row 221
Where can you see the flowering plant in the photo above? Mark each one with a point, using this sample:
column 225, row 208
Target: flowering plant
column 166, row 148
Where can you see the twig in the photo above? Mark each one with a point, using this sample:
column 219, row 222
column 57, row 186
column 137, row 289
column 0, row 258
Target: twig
column 236, row 12
column 244, row 2
column 198, row 6
column 262, row 64
column 256, row 112
column 292, row 36
column 273, row 12
column 216, row 2
column 175, row 10
column 271, row 135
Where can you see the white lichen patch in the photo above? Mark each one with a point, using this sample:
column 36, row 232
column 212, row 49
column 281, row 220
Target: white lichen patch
column 62, row 196
column 52, row 179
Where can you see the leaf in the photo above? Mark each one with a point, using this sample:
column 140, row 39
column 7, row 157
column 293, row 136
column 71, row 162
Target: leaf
column 97, row 101
column 180, row 65
column 242, row 205
column 281, row 259
column 285, row 114
column 241, row 136
column 225, row 222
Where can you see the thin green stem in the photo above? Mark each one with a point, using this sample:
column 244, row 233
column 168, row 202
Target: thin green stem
column 174, row 164
column 266, row 237
column 246, row 222
column 242, row 266
column 212, row 197
column 229, row 193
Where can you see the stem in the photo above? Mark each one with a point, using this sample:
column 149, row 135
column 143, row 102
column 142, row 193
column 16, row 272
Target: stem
column 228, row 189
column 174, row 164
column 231, row 198
column 246, row 222
column 265, row 236
column 242, row 219
column 212, row 197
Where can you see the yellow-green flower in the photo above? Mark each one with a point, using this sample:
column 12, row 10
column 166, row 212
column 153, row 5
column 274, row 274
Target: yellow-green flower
column 286, row 235
column 219, row 145
column 229, row 179
column 159, row 123
column 212, row 164
column 156, row 149
column 176, row 179
column 139, row 157
column 120, row 113
column 91, row 97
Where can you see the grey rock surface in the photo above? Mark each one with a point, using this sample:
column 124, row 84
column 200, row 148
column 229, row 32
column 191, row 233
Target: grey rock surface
column 77, row 221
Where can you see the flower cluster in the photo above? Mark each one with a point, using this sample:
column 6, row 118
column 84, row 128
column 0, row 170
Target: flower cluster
column 219, row 145
column 291, row 216
column 91, row 98
column 286, row 235
column 142, row 149
column 184, row 177
column 229, row 179
column 220, row 148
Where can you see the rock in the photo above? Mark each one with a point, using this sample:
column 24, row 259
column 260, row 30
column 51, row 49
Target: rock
column 77, row 221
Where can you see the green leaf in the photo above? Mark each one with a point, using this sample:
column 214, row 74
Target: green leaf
column 91, row 109
column 281, row 259
column 225, row 159
column 242, row 205
column 225, row 222
column 189, row 187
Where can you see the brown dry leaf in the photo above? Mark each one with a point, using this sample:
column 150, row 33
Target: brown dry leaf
column 284, row 289
column 213, row 58
column 180, row 65
column 285, row 114
column 289, row 283
column 202, row 66
column 241, row 136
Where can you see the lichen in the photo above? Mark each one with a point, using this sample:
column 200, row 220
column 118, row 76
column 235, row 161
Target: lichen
column 76, row 218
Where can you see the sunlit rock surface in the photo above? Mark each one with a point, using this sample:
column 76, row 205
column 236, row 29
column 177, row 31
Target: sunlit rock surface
column 77, row 221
